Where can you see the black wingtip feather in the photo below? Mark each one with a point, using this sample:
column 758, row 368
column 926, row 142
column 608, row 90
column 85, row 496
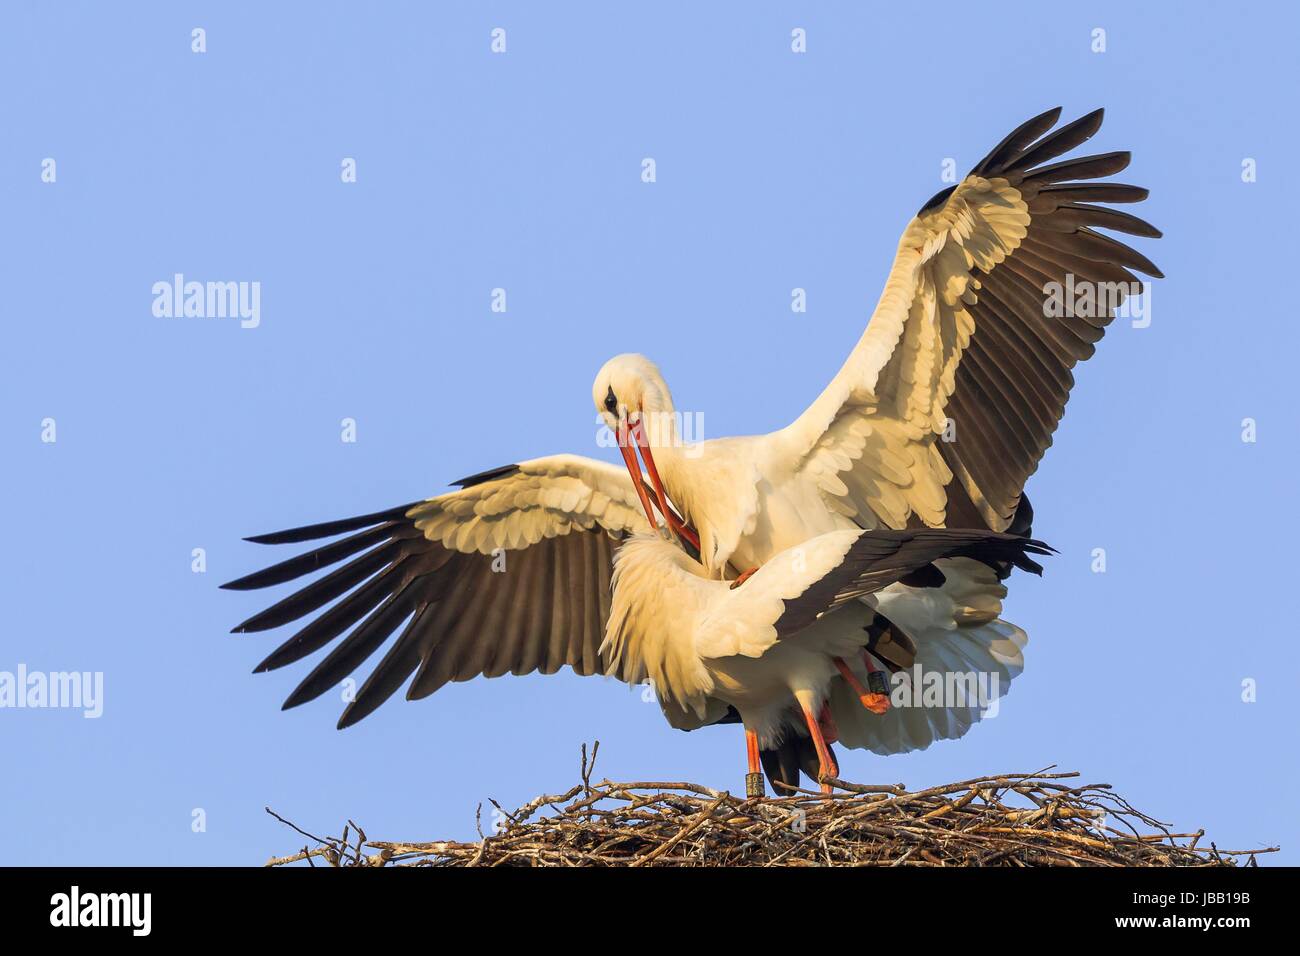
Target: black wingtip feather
column 313, row 560
column 351, row 715
column 1097, row 192
column 1060, row 141
column 327, row 529
column 937, row 200
column 1084, row 167
column 1019, row 138
column 303, row 693
column 491, row 474
column 326, row 589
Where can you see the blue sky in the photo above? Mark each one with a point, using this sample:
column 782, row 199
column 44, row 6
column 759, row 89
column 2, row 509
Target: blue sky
column 521, row 171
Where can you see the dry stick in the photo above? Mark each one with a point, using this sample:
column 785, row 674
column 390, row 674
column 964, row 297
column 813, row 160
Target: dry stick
column 296, row 827
column 949, row 807
column 864, row 788
column 303, row 854
column 686, row 831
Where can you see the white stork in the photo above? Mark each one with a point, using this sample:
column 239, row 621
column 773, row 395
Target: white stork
column 959, row 342
column 770, row 649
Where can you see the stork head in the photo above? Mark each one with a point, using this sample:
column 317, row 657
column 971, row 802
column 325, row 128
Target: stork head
column 628, row 386
column 629, row 390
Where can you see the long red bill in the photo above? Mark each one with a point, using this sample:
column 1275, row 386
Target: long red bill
column 634, row 469
column 678, row 526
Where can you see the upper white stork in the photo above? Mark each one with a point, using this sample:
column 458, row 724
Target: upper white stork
column 959, row 346
column 959, row 341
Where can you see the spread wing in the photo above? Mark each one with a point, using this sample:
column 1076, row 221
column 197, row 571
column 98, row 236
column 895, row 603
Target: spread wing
column 509, row 574
column 967, row 332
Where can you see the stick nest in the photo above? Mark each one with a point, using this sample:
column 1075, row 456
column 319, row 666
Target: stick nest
column 1022, row 819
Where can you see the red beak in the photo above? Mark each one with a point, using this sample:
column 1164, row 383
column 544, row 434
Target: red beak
column 678, row 526
column 634, row 469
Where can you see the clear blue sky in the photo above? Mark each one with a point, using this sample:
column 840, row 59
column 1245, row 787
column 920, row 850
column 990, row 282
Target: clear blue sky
column 522, row 171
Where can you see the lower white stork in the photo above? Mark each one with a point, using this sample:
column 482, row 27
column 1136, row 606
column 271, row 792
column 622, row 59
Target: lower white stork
column 772, row 649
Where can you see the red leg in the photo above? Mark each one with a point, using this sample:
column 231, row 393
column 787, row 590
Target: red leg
column 753, row 779
column 827, row 723
column 827, row 767
column 876, row 703
column 743, row 578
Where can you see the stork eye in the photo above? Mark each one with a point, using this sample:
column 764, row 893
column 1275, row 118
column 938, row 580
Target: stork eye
column 611, row 401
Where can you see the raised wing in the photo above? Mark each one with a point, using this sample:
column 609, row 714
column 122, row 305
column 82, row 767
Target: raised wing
column 509, row 574
column 1001, row 284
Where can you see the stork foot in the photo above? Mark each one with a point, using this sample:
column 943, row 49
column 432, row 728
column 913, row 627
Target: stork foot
column 876, row 703
column 872, row 700
column 827, row 768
